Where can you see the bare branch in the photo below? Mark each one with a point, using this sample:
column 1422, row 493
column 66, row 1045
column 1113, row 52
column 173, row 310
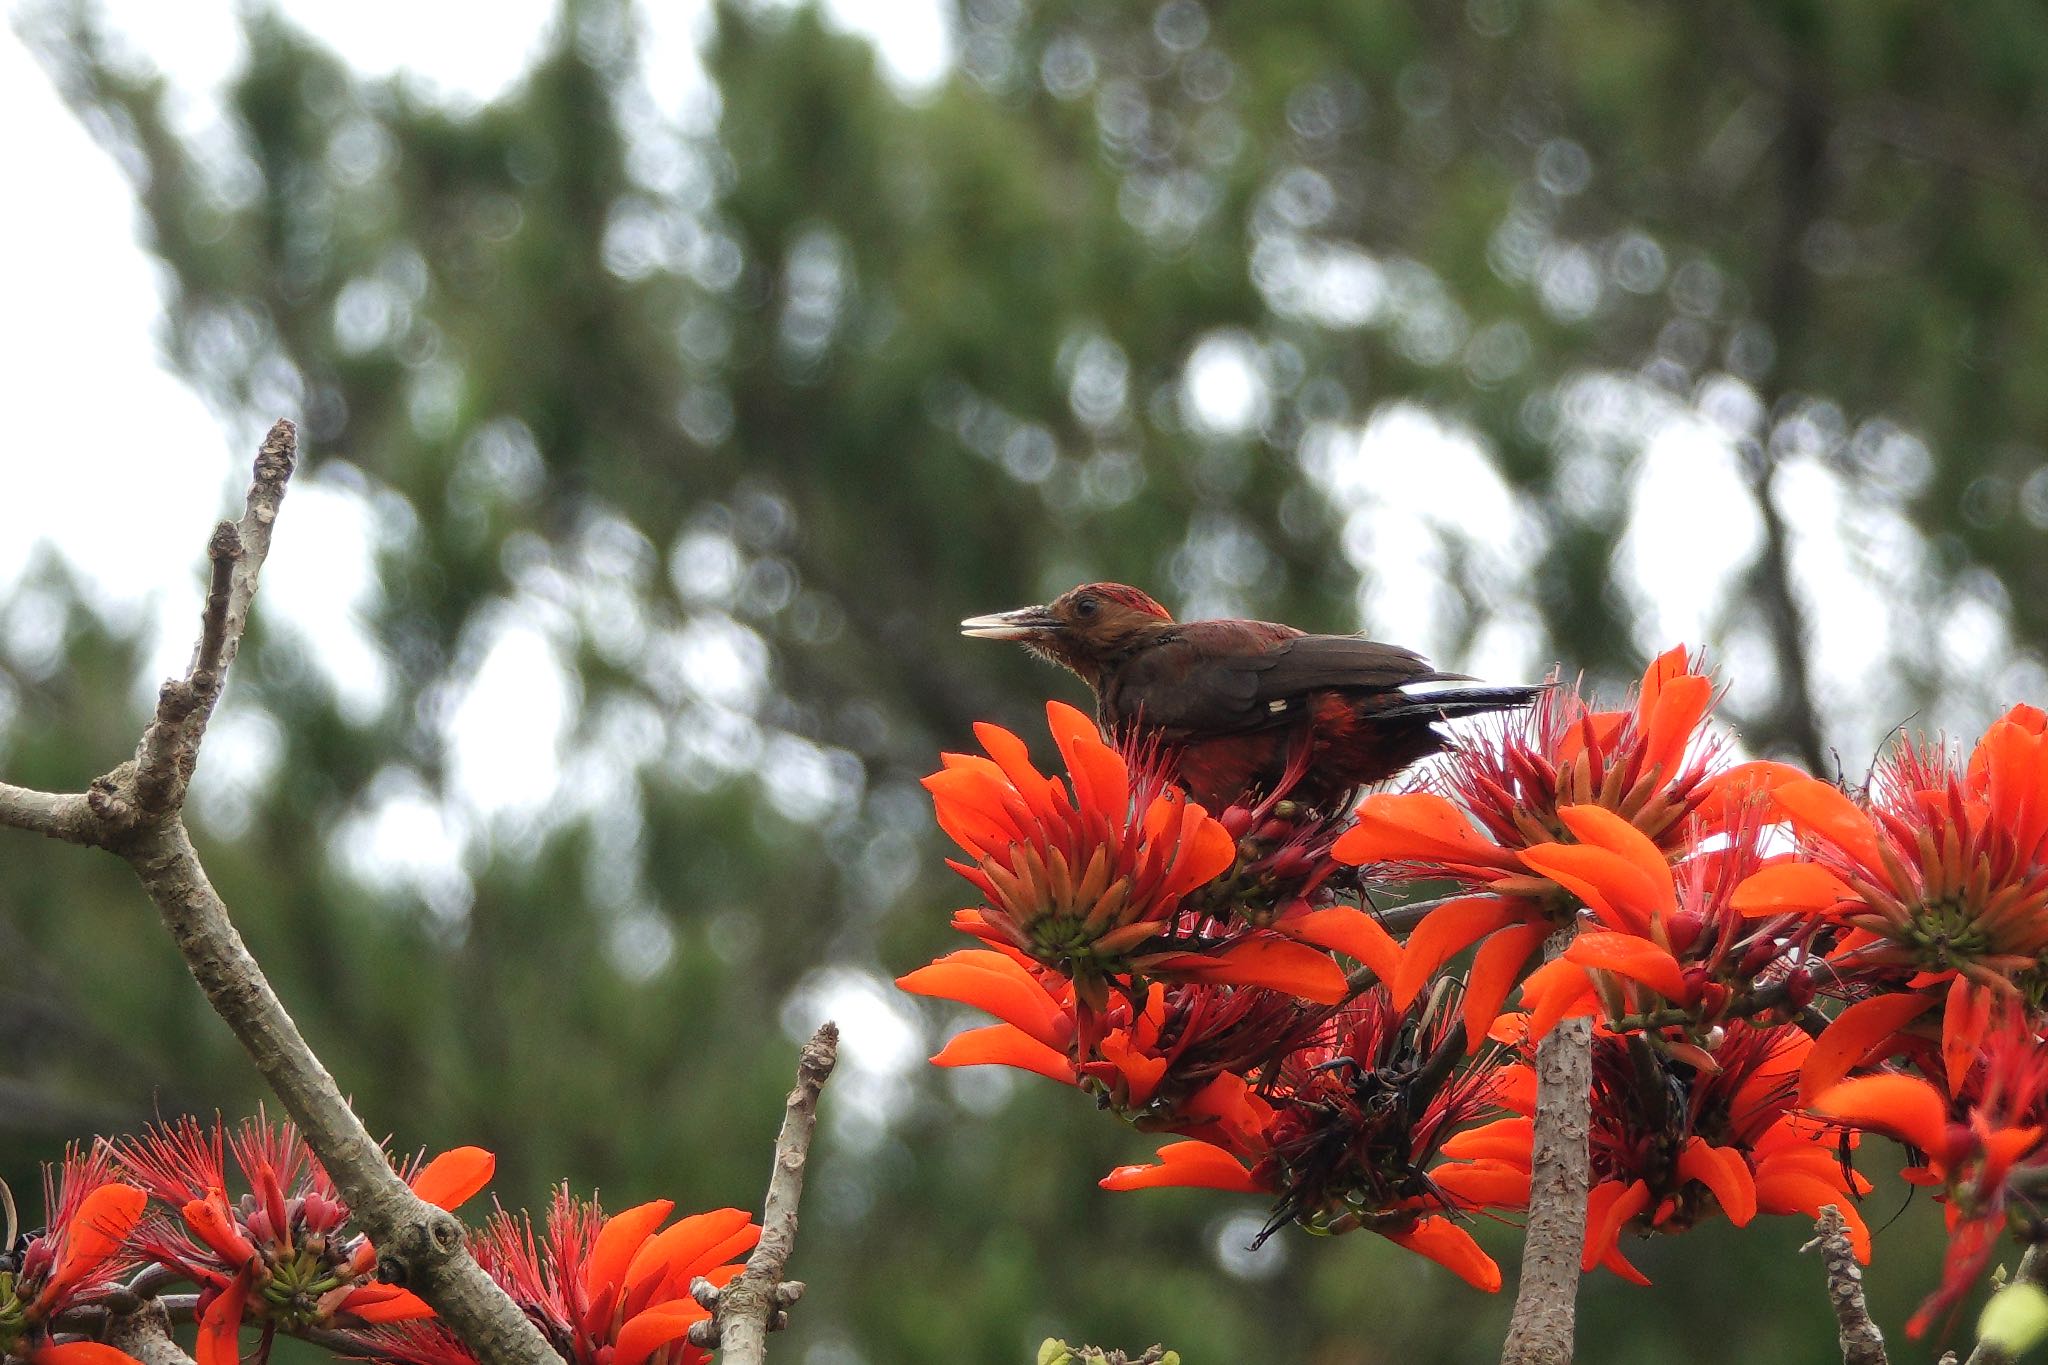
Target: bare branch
column 145, row 1334
column 748, row 1307
column 169, row 750
column 135, row 811
column 64, row 815
column 1862, row 1342
column 2033, row 1270
column 1540, row 1333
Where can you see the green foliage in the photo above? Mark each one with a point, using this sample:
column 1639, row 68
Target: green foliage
column 803, row 382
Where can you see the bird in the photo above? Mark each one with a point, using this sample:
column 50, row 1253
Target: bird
column 1248, row 710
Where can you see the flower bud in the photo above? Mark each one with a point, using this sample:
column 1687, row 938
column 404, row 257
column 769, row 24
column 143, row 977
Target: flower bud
column 1683, row 929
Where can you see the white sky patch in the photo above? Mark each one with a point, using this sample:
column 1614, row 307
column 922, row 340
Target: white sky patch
column 505, row 734
column 320, row 579
column 1423, row 504
column 1224, row 390
column 1692, row 528
column 403, row 840
column 880, row 1045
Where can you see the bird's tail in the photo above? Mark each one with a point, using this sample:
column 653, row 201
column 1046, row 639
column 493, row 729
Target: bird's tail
column 1452, row 702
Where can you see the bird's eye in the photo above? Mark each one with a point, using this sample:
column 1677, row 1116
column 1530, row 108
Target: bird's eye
column 1085, row 607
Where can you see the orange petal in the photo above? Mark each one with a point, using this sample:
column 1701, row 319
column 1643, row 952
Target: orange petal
column 1670, row 716
column 1794, row 1191
column 1602, row 828
column 1014, row 758
column 1484, row 1184
column 220, row 1326
column 1555, row 991
column 1608, row 1209
column 1620, row 892
column 1845, row 1043
column 80, row 1353
column 1207, row 852
column 382, row 1303
column 1509, row 1139
column 1638, row 959
column 1443, row 933
column 1492, row 976
column 1966, row 1014
column 1819, row 808
column 1350, row 931
column 1723, row 1171
column 675, row 1250
column 1267, row 960
column 96, row 1231
column 997, row 983
column 1004, row 1045
column 1101, row 779
column 1726, row 795
column 1904, row 1107
column 647, row 1333
column 1791, row 888
column 1451, row 1247
column 454, row 1177
column 1417, row 827
column 210, row 1223
column 1198, row 1165
column 618, row 1241
column 1663, row 669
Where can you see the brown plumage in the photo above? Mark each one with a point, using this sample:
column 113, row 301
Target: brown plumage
column 1248, row 709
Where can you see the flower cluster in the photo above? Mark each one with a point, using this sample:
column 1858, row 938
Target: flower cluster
column 248, row 1216
column 1772, row 965
column 78, row 1258
column 604, row 1289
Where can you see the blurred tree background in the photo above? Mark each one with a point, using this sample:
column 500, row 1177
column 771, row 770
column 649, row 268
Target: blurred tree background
column 679, row 438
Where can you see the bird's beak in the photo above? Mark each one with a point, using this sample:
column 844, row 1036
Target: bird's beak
column 1022, row 624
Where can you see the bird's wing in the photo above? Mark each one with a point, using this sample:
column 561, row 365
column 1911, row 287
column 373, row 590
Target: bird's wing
column 1314, row 662
column 1225, row 677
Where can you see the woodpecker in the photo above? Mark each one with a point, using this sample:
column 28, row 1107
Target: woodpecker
column 1248, row 711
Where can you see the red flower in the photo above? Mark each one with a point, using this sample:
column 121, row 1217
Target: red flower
column 1649, row 767
column 1089, row 876
column 1353, row 1123
column 1672, row 1143
column 1671, row 949
column 1994, row 1121
column 1175, row 1064
column 1938, row 890
column 80, row 1255
column 284, row 1251
column 603, row 1290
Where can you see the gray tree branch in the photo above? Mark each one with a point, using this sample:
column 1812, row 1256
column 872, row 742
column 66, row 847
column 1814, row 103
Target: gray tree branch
column 145, row 1334
column 1862, row 1342
column 136, row 811
column 1541, row 1330
column 748, row 1307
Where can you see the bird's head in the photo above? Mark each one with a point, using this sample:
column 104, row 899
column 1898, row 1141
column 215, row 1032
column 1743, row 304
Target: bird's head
column 1085, row 629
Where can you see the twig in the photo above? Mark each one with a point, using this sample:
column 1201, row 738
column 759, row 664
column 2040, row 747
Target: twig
column 136, row 811
column 60, row 815
column 2033, row 1270
column 747, row 1308
column 145, row 1334
column 1540, row 1333
column 1862, row 1342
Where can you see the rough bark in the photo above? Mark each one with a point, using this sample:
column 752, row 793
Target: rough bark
column 1862, row 1342
column 1540, row 1332
column 748, row 1308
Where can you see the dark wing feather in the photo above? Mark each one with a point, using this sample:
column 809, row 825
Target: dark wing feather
column 1226, row 677
column 1314, row 662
